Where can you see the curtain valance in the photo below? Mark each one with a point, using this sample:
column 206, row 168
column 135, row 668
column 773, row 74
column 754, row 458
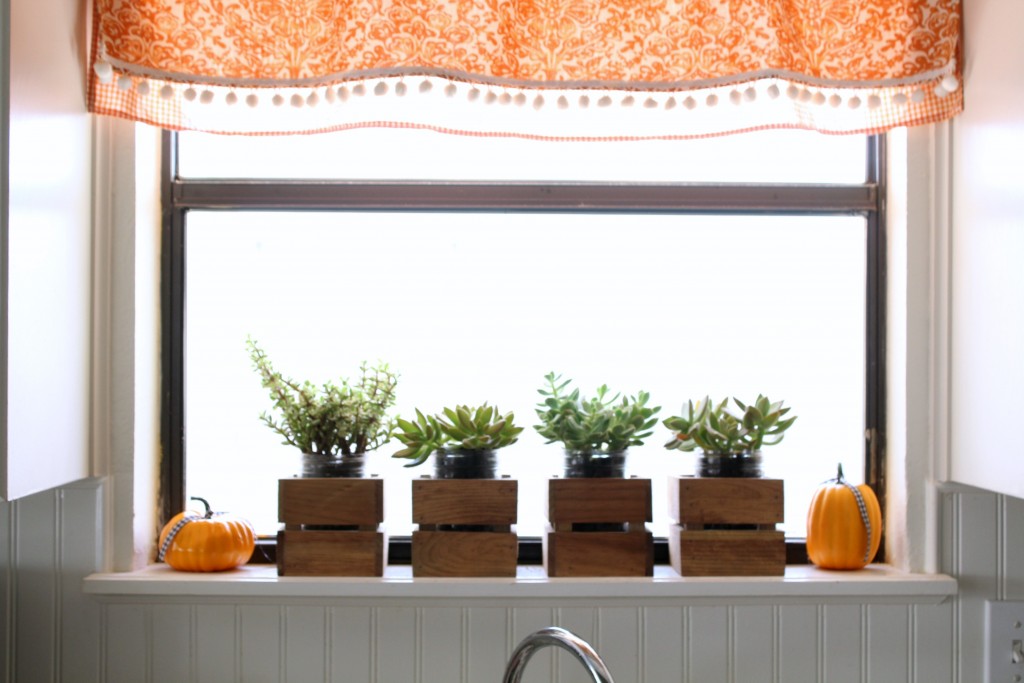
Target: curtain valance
column 537, row 68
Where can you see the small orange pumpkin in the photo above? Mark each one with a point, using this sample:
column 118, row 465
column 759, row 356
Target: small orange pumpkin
column 844, row 525
column 206, row 542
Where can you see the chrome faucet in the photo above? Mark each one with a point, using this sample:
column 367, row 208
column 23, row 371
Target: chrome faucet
column 553, row 635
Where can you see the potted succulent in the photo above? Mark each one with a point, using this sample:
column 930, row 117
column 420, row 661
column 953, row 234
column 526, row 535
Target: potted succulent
column 463, row 440
column 730, row 442
column 595, row 432
column 334, row 425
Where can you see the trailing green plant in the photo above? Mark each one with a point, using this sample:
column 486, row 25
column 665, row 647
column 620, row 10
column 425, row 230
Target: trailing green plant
column 717, row 430
column 601, row 423
column 349, row 418
column 482, row 428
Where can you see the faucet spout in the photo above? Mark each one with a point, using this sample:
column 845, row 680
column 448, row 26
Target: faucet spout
column 560, row 637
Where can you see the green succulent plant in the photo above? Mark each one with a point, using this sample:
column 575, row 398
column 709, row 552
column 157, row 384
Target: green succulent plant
column 716, row 430
column 602, row 423
column 482, row 428
column 349, row 418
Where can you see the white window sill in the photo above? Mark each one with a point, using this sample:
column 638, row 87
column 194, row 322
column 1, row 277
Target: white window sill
column 801, row 584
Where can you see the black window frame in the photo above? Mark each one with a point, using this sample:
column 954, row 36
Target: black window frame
column 179, row 195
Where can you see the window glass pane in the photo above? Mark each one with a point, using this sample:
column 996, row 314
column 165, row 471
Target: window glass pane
column 772, row 156
column 473, row 307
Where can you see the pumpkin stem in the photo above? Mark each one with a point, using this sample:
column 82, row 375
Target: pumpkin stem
column 839, row 477
column 209, row 511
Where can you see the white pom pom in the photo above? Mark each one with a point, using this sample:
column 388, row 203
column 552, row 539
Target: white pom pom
column 359, row 89
column 231, row 98
column 142, row 88
column 426, row 86
column 473, row 94
column 313, row 99
column 343, row 93
column 793, row 92
column 380, row 89
column 563, row 102
column 939, row 91
column 330, row 95
column 450, row 90
column 950, row 83
column 278, row 99
column 835, row 100
column 711, row 100
column 806, row 95
column 206, row 97
column 670, row 103
column 899, row 98
column 773, row 91
column 519, row 99
column 854, row 102
column 190, row 94
column 874, row 101
column 584, row 101
column 917, row 97
column 628, row 101
column 818, row 98
column 750, row 94
column 505, row 97
column 538, row 101
column 103, row 71
column 735, row 97
column 401, row 88
column 252, row 99
column 689, row 102
column 297, row 100
column 650, row 103
column 491, row 97
column 605, row 101
column 166, row 92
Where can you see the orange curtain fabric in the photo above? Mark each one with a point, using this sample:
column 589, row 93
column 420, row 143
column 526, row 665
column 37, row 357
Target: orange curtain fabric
column 550, row 68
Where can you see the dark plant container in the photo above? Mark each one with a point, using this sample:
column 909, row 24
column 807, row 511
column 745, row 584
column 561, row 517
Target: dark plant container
column 739, row 465
column 594, row 465
column 317, row 466
column 459, row 463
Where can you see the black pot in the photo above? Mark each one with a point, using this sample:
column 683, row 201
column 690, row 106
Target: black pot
column 460, row 463
column 315, row 465
column 594, row 465
column 745, row 465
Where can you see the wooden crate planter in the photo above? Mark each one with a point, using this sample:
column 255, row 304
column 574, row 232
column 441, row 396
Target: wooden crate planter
column 357, row 505
column 571, row 549
column 726, row 526
column 465, row 527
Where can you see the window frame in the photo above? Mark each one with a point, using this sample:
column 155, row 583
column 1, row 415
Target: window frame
column 179, row 195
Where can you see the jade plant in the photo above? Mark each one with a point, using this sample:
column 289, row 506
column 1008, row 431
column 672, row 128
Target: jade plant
column 349, row 418
column 601, row 424
column 717, row 430
column 474, row 429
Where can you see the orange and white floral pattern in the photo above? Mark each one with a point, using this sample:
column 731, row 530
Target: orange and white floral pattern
column 857, row 50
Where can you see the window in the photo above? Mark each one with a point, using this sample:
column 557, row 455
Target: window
column 727, row 267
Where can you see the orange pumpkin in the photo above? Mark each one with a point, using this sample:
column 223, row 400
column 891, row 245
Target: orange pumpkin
column 206, row 542
column 844, row 525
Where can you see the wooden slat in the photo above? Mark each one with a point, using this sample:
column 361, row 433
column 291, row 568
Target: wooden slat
column 599, row 553
column 331, row 501
column 464, row 501
column 725, row 500
column 727, row 553
column 599, row 500
column 464, row 553
column 330, row 553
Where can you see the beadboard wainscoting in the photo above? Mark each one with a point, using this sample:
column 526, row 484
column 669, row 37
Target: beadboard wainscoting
column 54, row 632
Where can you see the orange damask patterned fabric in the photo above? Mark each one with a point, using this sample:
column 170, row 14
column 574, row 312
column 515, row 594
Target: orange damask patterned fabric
column 778, row 63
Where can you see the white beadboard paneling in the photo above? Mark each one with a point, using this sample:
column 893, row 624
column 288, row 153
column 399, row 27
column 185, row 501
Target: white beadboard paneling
column 442, row 647
column 396, row 638
column 214, row 643
column 170, row 643
column 306, row 637
column 753, row 644
column 888, row 643
column 526, row 620
column 583, row 621
column 933, row 648
column 488, row 642
column 81, row 553
column 977, row 562
column 8, row 586
column 708, row 647
column 843, row 643
column 37, row 616
column 353, row 645
column 260, row 636
column 663, row 643
column 127, row 643
column 1013, row 548
column 620, row 644
column 799, row 643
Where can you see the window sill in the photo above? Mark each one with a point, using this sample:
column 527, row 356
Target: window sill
column 801, row 584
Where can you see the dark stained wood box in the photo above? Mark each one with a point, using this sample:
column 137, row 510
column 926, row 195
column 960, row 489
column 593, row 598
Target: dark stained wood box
column 577, row 542
column 465, row 527
column 332, row 527
column 726, row 526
